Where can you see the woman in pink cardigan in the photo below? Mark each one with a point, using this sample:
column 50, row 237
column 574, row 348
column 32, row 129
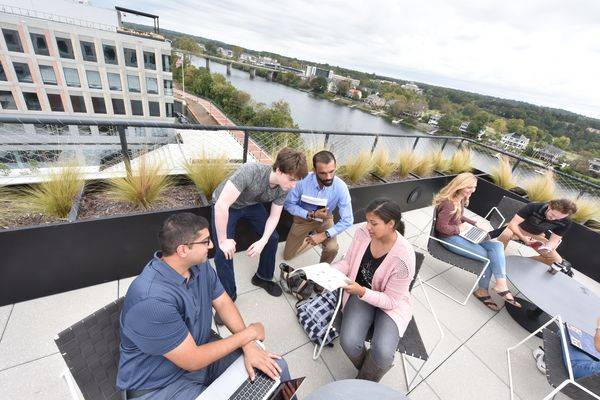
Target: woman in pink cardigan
column 380, row 265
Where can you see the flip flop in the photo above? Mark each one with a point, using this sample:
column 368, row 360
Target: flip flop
column 505, row 294
column 487, row 301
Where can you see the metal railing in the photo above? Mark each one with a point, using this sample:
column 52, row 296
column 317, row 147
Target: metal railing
column 252, row 143
column 54, row 17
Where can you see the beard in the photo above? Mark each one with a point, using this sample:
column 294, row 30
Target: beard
column 328, row 182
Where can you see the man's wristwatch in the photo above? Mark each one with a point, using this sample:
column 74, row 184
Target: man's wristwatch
column 328, row 234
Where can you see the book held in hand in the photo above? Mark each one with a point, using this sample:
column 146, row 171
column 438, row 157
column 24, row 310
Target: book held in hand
column 312, row 204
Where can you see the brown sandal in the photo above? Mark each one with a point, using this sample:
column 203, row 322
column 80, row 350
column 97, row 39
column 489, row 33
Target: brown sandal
column 487, row 300
column 507, row 299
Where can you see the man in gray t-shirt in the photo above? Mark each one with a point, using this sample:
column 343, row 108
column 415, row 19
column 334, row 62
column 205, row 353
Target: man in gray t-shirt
column 241, row 196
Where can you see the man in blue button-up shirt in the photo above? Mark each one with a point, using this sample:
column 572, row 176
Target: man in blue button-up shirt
column 316, row 227
column 167, row 348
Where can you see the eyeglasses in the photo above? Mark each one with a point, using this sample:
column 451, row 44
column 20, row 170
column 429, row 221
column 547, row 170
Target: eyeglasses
column 205, row 242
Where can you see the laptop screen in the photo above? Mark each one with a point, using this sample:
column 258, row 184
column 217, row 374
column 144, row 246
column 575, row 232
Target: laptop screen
column 287, row 389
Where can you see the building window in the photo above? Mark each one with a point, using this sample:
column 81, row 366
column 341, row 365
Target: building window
column 166, row 62
column 40, row 46
column 151, row 85
column 55, row 101
column 154, row 108
column 168, row 85
column 110, row 54
column 48, row 75
column 136, row 107
column 22, row 71
column 114, row 81
column 78, row 104
column 106, row 130
column 169, row 110
column 32, row 101
column 133, row 83
column 7, row 101
column 118, row 106
column 88, row 51
column 93, row 79
column 2, row 73
column 65, row 48
column 99, row 105
column 72, row 77
column 12, row 39
column 149, row 60
column 130, row 57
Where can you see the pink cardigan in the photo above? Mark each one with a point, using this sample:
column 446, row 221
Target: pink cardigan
column 390, row 291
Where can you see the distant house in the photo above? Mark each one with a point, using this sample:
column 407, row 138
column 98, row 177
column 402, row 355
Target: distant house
column 481, row 133
column 339, row 78
column 548, row 153
column 267, row 61
column 434, row 119
column 412, row 87
column 332, row 87
column 463, row 126
column 355, row 94
column 595, row 166
column 248, row 58
column 225, row 52
column 593, row 130
column 375, row 101
column 515, row 141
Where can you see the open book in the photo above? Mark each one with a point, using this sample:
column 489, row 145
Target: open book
column 324, row 275
column 311, row 204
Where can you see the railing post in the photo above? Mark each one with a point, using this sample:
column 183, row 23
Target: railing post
column 460, row 143
column 416, row 141
column 245, row 155
column 326, row 142
column 516, row 164
column 124, row 150
column 374, row 143
column 444, row 144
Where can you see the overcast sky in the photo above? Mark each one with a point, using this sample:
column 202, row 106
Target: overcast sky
column 544, row 52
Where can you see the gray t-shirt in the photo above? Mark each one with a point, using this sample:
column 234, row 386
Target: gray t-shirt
column 252, row 180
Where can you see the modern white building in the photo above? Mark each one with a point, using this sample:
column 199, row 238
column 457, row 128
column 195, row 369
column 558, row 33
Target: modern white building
column 64, row 59
column 312, row 71
column 412, row 87
column 595, row 165
column 548, row 153
column 515, row 141
column 354, row 83
column 464, row 126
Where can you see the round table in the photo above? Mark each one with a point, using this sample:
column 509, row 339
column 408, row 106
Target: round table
column 349, row 389
column 549, row 295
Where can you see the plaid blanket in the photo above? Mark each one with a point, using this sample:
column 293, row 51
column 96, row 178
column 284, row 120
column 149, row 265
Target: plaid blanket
column 316, row 315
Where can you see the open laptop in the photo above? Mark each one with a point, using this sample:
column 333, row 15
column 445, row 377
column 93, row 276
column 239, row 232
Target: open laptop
column 583, row 341
column 472, row 233
column 234, row 384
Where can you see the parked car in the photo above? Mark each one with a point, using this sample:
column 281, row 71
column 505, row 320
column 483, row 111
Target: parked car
column 182, row 118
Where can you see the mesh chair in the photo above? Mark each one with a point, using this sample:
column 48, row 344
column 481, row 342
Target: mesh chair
column 477, row 266
column 90, row 349
column 411, row 343
column 557, row 373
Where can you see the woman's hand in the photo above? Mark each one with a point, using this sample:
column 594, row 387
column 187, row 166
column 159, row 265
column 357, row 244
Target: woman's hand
column 354, row 288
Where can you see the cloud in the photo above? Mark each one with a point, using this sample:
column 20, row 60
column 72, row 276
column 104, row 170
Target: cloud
column 540, row 51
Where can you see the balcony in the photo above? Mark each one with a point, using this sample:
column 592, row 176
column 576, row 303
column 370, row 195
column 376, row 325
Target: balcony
column 83, row 267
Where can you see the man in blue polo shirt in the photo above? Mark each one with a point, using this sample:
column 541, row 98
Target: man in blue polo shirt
column 168, row 350
column 316, row 227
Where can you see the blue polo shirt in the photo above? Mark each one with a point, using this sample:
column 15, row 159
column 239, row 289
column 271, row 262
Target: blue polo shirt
column 160, row 308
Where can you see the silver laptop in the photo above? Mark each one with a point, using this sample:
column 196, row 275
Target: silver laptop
column 472, row 233
column 234, row 384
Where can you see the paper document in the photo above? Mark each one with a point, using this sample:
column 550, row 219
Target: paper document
column 324, row 275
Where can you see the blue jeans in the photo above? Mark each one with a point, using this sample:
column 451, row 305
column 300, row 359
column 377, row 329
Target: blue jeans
column 582, row 363
column 490, row 249
column 257, row 216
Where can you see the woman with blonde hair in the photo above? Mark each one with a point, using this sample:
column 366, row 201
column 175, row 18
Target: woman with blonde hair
column 450, row 203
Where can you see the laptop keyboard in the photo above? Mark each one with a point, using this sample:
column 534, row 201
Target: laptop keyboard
column 254, row 390
column 475, row 234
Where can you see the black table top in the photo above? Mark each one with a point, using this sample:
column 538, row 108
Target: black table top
column 555, row 294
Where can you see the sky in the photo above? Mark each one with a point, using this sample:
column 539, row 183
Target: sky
column 545, row 52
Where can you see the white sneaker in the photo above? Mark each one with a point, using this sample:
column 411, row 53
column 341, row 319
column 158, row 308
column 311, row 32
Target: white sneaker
column 538, row 354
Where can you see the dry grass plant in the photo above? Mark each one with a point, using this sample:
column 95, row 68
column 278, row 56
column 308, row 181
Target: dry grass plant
column 541, row 188
column 7, row 199
column 54, row 196
column 310, row 151
column 587, row 209
column 357, row 167
column 208, row 172
column 145, row 185
column 383, row 167
column 440, row 163
column 502, row 174
column 460, row 161
column 407, row 162
column 424, row 167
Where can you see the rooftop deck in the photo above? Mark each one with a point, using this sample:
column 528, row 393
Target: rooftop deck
column 469, row 363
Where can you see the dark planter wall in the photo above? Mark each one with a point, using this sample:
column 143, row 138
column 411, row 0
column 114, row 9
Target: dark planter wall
column 576, row 245
column 51, row 259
